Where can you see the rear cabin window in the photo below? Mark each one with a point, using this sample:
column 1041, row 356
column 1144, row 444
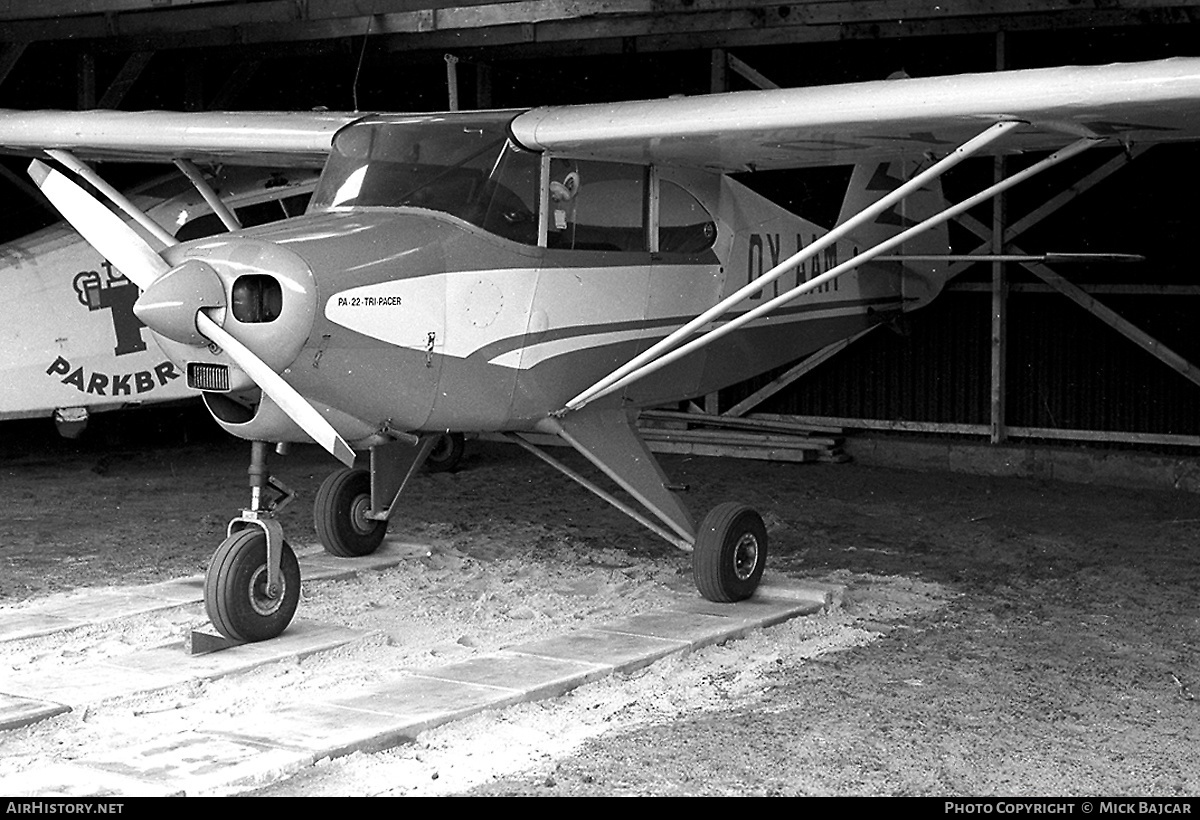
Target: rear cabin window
column 684, row 226
column 598, row 206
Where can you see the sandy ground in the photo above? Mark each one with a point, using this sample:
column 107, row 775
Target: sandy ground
column 994, row 636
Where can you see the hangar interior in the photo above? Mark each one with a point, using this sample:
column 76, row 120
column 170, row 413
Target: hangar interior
column 1036, row 351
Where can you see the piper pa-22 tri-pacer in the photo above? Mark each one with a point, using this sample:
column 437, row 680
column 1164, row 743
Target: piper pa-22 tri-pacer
column 553, row 271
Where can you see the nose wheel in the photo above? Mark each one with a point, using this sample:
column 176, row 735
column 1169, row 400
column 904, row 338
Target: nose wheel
column 241, row 601
column 252, row 585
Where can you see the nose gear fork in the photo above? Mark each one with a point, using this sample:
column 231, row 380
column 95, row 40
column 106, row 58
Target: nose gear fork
column 260, row 515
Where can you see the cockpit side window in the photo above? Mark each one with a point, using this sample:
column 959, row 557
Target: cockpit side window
column 506, row 202
column 598, row 206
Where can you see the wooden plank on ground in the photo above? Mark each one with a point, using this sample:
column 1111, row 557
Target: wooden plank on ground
column 738, row 438
column 753, row 422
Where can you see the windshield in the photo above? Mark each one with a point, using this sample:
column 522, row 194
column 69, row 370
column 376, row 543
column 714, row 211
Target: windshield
column 464, row 166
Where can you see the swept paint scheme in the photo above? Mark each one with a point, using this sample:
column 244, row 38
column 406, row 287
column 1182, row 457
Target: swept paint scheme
column 553, row 271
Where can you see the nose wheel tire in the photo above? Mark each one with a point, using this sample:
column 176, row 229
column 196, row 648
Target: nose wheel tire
column 447, row 452
column 339, row 512
column 235, row 588
column 730, row 553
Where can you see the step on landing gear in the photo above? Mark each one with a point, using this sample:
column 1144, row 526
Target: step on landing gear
column 252, row 585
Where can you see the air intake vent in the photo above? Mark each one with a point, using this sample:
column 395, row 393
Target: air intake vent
column 204, row 376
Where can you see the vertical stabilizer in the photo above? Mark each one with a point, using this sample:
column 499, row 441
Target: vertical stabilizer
column 921, row 281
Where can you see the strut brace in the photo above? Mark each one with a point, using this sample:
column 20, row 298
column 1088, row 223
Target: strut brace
column 674, row 538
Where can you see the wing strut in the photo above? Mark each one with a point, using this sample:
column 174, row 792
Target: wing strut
column 198, row 181
column 967, row 149
column 660, row 355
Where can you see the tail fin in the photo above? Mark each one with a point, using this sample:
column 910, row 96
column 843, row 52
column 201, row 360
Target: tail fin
column 920, row 281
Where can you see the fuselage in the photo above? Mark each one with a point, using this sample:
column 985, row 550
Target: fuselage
column 476, row 286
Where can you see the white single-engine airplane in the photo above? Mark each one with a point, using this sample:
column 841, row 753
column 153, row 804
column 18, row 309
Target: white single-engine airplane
column 549, row 270
column 70, row 343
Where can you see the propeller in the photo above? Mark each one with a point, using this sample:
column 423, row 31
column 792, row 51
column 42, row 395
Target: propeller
column 133, row 256
column 100, row 227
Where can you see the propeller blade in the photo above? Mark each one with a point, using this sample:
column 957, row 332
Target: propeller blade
column 282, row 393
column 103, row 230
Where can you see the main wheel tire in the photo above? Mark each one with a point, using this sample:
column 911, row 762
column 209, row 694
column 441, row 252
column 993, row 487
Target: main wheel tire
column 730, row 553
column 235, row 588
column 446, row 453
column 339, row 512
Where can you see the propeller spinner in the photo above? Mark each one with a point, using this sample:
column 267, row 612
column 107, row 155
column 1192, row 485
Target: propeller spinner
column 180, row 302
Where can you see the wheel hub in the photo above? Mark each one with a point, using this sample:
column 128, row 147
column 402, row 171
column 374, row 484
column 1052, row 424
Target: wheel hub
column 261, row 599
column 358, row 515
column 745, row 556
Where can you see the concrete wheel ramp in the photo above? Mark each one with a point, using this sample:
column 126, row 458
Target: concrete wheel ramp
column 142, row 737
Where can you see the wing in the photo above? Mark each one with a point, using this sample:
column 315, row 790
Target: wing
column 859, row 122
column 261, row 139
column 755, row 130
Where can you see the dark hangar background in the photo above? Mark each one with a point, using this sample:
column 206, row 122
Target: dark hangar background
column 1071, row 374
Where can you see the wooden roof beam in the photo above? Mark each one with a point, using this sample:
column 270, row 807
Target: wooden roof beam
column 657, row 24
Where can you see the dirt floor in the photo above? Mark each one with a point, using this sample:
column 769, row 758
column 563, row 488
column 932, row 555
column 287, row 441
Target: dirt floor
column 994, row 636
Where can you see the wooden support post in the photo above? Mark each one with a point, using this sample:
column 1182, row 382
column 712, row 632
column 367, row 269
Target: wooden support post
column 193, row 87
column 117, row 90
column 22, row 183
column 999, row 294
column 1105, row 314
column 1038, row 214
column 1114, row 320
column 85, row 87
column 233, row 86
column 719, row 72
column 999, row 318
column 483, row 86
column 744, row 70
column 9, row 54
column 809, row 364
column 452, row 80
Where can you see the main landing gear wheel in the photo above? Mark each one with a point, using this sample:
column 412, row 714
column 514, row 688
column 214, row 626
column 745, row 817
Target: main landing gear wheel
column 730, row 553
column 235, row 588
column 340, row 513
column 446, row 453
